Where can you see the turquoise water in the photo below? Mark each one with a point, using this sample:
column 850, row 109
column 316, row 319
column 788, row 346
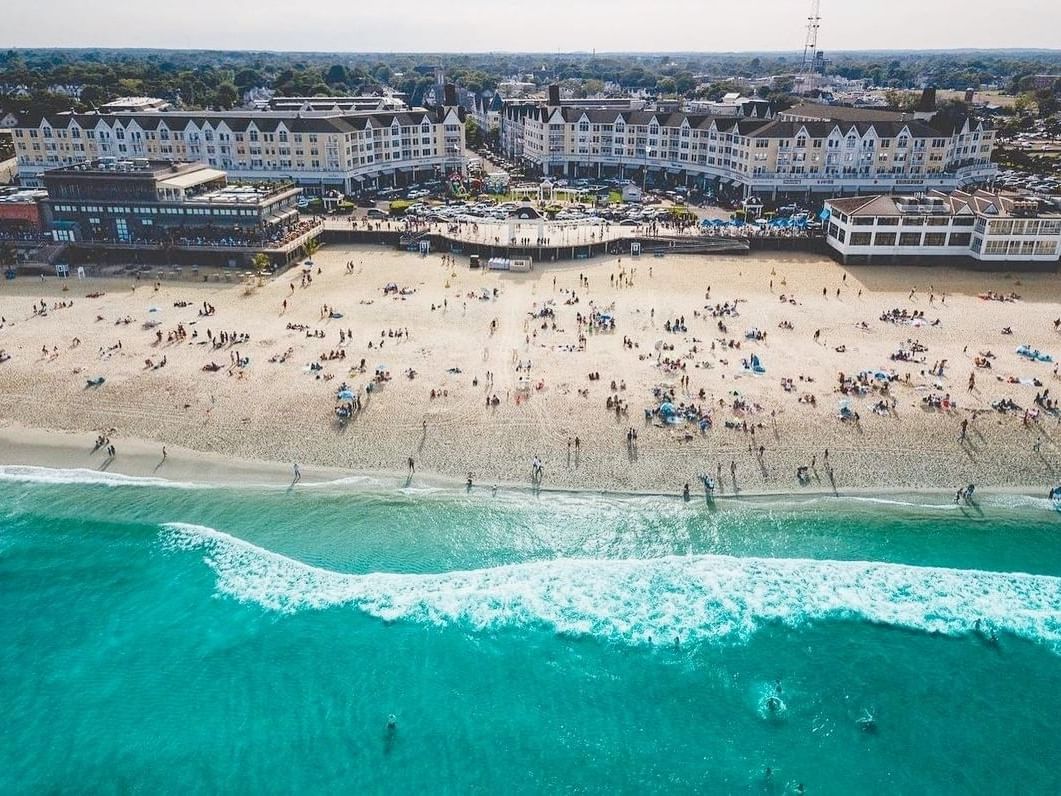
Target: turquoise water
column 170, row 638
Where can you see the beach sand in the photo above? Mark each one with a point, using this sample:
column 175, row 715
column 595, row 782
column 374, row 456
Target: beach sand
column 268, row 415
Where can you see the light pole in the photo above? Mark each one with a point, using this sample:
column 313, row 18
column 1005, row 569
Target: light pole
column 644, row 174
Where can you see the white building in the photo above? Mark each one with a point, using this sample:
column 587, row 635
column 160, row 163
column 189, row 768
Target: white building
column 983, row 226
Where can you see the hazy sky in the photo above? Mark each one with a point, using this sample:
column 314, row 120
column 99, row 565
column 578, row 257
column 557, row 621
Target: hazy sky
column 538, row 25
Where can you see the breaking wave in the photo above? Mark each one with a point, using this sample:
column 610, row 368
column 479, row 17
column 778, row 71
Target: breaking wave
column 701, row 598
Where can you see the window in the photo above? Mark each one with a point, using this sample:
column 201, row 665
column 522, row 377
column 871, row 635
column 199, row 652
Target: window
column 935, row 239
column 860, row 238
column 884, row 239
column 910, row 239
column 959, row 239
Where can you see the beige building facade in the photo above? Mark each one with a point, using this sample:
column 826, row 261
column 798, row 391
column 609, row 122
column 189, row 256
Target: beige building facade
column 769, row 157
column 349, row 152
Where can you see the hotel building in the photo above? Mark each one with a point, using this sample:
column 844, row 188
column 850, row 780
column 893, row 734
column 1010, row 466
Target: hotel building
column 346, row 150
column 811, row 149
column 983, row 226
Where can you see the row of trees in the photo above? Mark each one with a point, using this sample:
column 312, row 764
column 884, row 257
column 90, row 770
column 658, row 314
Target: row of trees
column 219, row 79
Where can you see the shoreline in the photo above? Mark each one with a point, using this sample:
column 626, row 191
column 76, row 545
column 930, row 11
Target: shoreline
column 140, row 461
column 457, row 393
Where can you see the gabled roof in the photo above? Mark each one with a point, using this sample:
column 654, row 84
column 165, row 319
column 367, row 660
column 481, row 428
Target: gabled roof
column 241, row 121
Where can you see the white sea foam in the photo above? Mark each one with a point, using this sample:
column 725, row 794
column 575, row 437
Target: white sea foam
column 699, row 598
column 82, row 476
column 48, row 475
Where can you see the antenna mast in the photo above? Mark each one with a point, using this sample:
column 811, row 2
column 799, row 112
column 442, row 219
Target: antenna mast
column 810, row 47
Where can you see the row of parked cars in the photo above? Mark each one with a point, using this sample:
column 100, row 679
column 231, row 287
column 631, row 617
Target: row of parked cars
column 1014, row 180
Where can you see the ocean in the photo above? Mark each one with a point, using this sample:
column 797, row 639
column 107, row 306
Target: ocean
column 358, row 637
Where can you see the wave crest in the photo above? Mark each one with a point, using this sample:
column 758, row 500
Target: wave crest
column 702, row 598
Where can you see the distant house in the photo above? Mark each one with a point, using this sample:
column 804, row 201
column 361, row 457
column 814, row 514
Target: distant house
column 7, row 120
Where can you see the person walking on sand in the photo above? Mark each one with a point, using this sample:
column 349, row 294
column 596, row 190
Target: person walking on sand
column 297, row 473
column 965, row 426
column 163, row 453
column 412, row 466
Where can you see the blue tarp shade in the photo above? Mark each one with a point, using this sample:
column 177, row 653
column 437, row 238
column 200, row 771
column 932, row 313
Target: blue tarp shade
column 824, row 214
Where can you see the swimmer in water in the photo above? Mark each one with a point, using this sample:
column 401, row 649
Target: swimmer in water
column 392, row 723
column 773, row 703
column 867, row 722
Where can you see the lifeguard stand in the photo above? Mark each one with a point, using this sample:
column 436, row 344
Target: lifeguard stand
column 62, row 270
column 635, row 248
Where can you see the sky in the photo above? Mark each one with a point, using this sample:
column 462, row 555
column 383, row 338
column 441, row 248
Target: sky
column 529, row 25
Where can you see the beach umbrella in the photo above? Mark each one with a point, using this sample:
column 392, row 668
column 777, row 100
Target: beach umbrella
column 345, row 395
column 380, row 368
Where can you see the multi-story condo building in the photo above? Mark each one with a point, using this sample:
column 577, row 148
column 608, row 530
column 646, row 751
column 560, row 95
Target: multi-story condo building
column 810, row 150
column 984, row 226
column 350, row 151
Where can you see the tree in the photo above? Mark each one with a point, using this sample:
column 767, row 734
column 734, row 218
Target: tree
column 249, row 78
column 684, row 82
column 226, row 96
column 261, row 262
column 666, row 86
column 93, row 96
column 336, row 74
column 593, row 87
column 473, row 134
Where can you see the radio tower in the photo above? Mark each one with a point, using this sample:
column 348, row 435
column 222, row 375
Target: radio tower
column 810, row 49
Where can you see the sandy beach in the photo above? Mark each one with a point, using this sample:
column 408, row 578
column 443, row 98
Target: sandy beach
column 469, row 336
